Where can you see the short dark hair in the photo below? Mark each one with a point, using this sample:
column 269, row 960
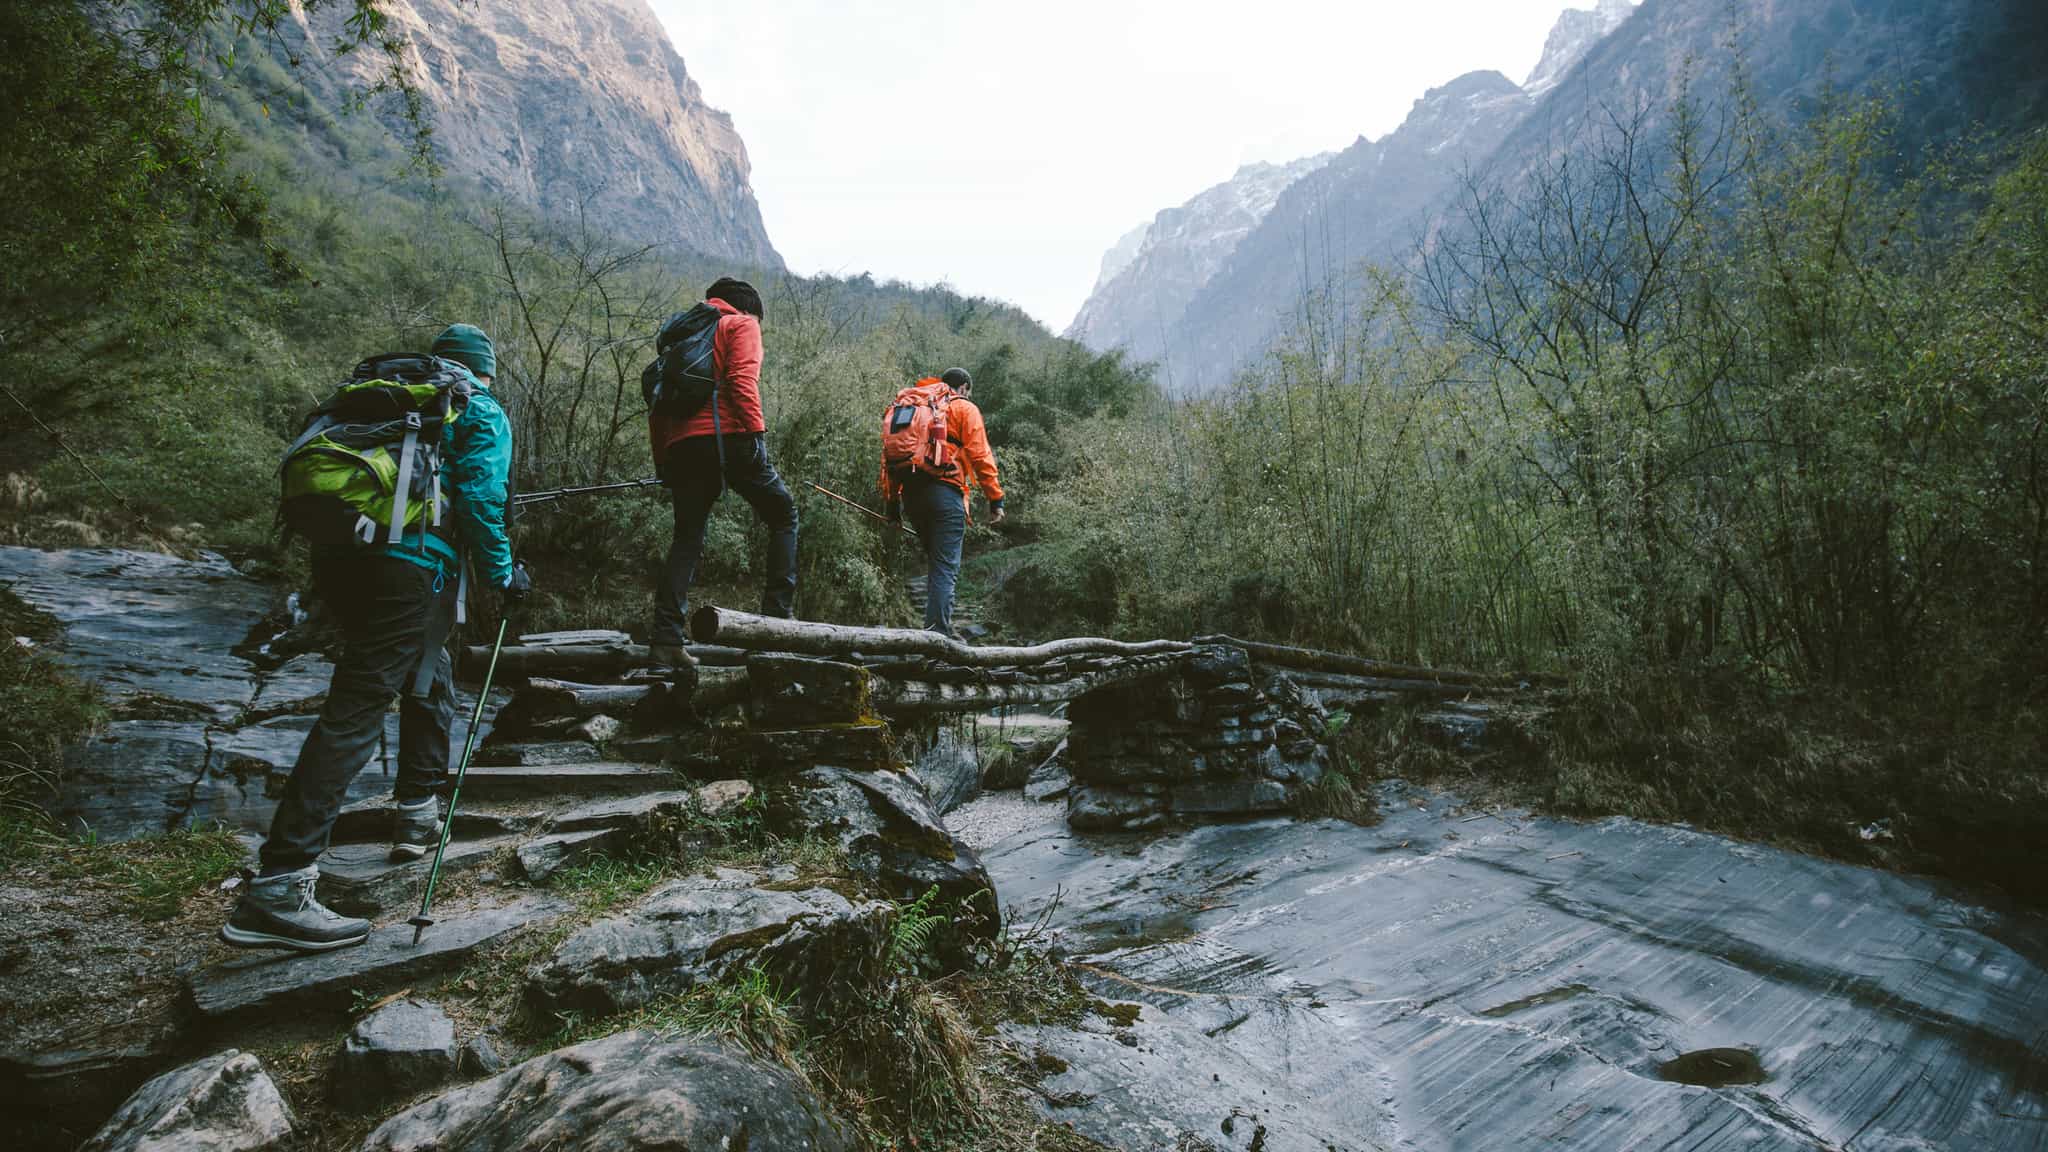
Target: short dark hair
column 737, row 293
column 956, row 378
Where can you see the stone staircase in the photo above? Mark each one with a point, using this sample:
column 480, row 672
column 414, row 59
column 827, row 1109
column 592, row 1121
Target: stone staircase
column 534, row 803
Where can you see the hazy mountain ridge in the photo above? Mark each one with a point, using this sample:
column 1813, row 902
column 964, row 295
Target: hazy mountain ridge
column 1947, row 67
column 564, row 109
column 1143, row 287
column 1366, row 199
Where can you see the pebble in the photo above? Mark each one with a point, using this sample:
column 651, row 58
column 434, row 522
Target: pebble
column 993, row 817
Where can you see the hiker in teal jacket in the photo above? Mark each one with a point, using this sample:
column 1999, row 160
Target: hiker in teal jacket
column 397, row 606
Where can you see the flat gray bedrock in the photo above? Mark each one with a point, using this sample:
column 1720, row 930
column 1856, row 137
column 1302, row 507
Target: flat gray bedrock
column 201, row 734
column 1444, row 982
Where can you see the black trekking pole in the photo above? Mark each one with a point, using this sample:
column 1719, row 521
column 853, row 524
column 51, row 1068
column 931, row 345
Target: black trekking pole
column 525, row 498
column 422, row 922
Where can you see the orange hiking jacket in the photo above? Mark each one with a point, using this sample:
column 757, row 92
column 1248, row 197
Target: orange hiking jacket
column 965, row 431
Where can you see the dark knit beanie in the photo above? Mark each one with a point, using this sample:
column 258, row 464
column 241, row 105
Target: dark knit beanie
column 956, row 378
column 467, row 345
column 737, row 293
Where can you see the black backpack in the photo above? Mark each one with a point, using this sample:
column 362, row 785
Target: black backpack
column 684, row 376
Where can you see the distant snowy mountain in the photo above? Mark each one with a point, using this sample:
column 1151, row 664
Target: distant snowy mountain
column 1151, row 274
column 1575, row 33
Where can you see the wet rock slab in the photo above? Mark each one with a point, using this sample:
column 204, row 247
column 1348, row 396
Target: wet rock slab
column 623, row 1093
column 1453, row 980
column 143, row 623
column 245, row 987
column 814, row 942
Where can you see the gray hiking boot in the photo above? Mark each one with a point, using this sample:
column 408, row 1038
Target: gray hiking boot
column 671, row 656
column 280, row 912
column 416, row 829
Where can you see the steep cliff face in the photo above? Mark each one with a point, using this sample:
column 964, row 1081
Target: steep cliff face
column 565, row 108
column 1176, row 254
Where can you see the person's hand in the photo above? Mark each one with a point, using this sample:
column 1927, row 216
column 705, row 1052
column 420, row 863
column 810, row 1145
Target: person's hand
column 515, row 591
column 995, row 512
column 894, row 511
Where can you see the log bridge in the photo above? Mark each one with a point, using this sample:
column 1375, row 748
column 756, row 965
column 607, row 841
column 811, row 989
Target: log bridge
column 916, row 672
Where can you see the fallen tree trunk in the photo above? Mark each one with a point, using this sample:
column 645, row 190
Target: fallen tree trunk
column 766, row 633
column 1341, row 663
column 910, row 697
column 571, row 661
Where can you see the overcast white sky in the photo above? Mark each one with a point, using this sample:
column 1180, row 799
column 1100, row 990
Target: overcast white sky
column 1002, row 147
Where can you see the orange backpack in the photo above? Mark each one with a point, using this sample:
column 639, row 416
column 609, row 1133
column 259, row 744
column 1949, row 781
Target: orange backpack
column 914, row 431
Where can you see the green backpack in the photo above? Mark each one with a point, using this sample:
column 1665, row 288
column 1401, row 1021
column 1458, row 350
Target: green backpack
column 367, row 463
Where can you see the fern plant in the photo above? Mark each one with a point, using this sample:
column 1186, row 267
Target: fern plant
column 915, row 924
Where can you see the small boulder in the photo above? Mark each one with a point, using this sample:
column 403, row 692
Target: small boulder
column 625, row 1093
column 479, row 1057
column 1050, row 779
column 224, row 1103
column 400, row 1050
column 722, row 796
column 1091, row 809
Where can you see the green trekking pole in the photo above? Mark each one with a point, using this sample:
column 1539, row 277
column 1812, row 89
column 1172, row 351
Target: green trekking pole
column 422, row 922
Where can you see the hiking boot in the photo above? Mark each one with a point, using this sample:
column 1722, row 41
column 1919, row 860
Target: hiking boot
column 280, row 912
column 416, row 829
column 671, row 656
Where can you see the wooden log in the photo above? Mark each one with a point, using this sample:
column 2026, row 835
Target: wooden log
column 578, row 636
column 914, row 697
column 765, row 633
column 1387, row 687
column 567, row 698
column 1341, row 663
column 791, row 691
column 568, row 661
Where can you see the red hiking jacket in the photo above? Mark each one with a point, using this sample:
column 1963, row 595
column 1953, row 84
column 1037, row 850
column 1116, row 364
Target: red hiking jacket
column 736, row 358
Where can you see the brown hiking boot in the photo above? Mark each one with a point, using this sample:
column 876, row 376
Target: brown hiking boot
column 671, row 656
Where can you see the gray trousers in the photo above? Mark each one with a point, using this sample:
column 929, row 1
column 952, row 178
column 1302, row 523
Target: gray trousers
column 384, row 605
column 939, row 513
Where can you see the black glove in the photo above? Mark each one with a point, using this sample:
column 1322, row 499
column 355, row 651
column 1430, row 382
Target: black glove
column 893, row 510
column 515, row 590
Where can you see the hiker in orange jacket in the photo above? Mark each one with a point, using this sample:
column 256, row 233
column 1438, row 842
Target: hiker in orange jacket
column 930, row 482
column 699, row 458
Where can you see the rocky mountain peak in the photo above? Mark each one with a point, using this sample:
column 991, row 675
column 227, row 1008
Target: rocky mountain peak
column 1574, row 34
column 1153, row 271
column 569, row 109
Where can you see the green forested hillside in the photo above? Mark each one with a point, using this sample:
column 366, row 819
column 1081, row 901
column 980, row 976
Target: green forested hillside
column 267, row 242
column 1740, row 428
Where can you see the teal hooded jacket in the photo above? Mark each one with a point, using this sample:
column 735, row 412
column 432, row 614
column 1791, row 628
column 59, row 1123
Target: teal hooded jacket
column 476, row 469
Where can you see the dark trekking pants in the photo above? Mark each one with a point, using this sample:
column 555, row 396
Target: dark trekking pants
column 939, row 513
column 695, row 484
column 385, row 606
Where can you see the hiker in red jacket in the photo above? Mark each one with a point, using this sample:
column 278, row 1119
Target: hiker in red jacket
column 699, row 457
column 934, row 453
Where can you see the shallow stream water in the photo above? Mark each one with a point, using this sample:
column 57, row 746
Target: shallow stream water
column 1453, row 980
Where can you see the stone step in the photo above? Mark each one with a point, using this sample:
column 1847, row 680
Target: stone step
column 541, row 858
column 251, row 987
column 535, row 754
column 487, row 784
column 363, row 880
column 369, row 821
